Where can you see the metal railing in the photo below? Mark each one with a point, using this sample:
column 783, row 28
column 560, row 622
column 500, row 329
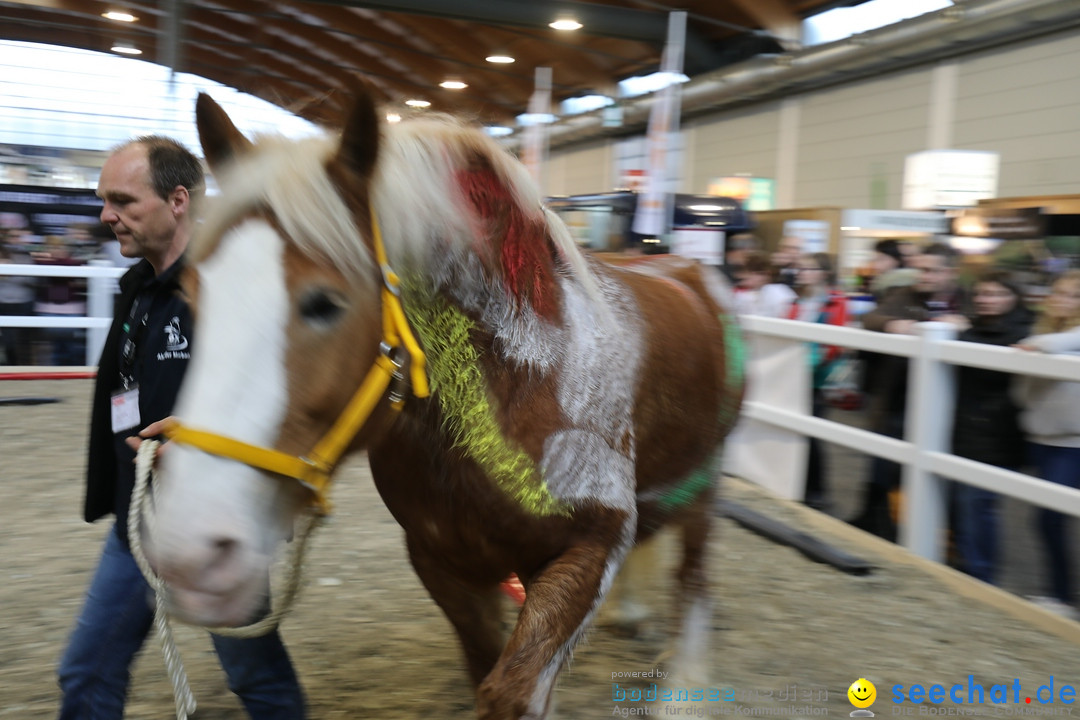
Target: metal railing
column 924, row 451
column 100, row 278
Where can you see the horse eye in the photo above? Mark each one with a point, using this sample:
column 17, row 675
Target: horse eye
column 320, row 307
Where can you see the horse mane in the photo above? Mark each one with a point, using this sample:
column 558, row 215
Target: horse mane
column 454, row 193
column 454, row 209
column 289, row 177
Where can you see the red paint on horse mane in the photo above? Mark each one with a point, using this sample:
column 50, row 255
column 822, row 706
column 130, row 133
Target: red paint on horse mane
column 525, row 256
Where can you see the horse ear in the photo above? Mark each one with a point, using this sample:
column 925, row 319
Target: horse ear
column 220, row 139
column 360, row 138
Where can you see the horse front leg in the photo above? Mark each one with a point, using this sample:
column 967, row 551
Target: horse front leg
column 561, row 600
column 474, row 610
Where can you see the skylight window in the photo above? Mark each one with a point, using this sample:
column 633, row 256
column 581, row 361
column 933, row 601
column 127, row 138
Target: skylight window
column 640, row 85
column 63, row 97
column 844, row 22
column 584, row 104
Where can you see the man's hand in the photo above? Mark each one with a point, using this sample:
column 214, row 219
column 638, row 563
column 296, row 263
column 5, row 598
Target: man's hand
column 152, row 430
column 900, row 327
column 960, row 322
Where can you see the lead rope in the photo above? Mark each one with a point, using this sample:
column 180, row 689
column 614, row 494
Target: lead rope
column 137, row 517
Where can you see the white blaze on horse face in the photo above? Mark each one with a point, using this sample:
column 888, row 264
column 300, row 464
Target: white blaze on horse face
column 217, row 519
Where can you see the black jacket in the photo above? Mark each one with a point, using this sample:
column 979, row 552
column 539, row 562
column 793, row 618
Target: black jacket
column 886, row 376
column 162, row 350
column 986, row 426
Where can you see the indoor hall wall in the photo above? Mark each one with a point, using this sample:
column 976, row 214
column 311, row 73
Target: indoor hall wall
column 1024, row 102
column 846, row 145
column 853, row 140
column 735, row 143
column 584, row 170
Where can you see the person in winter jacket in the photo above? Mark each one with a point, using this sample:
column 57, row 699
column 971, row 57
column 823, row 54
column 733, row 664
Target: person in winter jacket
column 936, row 296
column 1051, row 419
column 986, row 426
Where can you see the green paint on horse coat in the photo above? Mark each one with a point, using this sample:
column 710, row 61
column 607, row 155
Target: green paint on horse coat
column 734, row 370
column 734, row 374
column 457, row 380
column 689, row 489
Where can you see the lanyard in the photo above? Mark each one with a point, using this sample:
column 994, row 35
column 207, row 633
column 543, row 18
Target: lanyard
column 135, row 332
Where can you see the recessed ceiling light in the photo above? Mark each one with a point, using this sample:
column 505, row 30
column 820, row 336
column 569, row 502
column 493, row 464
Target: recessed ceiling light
column 453, row 85
column 418, row 103
column 119, row 16
column 505, row 59
column 126, row 50
column 566, row 24
column 393, row 118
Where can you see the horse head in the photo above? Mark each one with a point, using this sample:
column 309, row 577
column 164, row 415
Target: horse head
column 286, row 290
column 298, row 275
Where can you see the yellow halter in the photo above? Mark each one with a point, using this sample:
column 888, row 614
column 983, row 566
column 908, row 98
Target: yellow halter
column 314, row 469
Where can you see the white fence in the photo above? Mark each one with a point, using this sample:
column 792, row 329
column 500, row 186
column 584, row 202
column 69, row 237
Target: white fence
column 100, row 287
column 924, row 451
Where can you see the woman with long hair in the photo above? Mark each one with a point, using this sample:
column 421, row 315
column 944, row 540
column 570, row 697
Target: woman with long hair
column 1052, row 423
column 986, row 425
column 818, row 301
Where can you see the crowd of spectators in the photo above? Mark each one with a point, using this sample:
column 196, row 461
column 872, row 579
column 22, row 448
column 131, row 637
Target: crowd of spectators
column 1016, row 422
column 24, row 295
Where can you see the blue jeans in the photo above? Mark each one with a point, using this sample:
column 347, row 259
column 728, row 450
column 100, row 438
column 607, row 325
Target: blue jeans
column 977, row 530
column 116, row 617
column 1059, row 465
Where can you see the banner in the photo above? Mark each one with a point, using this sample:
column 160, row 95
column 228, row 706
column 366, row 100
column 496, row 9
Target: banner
column 536, row 133
column 655, row 207
column 777, row 374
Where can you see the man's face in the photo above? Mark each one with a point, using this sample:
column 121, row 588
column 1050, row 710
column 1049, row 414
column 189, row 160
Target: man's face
column 935, row 274
column 144, row 223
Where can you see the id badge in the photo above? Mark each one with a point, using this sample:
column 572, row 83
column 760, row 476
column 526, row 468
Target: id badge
column 125, row 409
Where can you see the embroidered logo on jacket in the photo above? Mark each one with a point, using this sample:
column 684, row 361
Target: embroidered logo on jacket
column 175, row 342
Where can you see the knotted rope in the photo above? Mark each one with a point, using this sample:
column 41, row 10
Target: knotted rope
column 138, row 517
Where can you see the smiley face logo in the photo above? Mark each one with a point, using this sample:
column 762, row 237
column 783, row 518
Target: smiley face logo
column 862, row 693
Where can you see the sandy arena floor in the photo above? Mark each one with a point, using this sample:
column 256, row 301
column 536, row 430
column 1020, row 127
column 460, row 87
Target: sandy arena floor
column 368, row 642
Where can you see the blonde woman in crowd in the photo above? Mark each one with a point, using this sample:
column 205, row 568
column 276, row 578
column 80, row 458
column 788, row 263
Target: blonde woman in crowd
column 1051, row 419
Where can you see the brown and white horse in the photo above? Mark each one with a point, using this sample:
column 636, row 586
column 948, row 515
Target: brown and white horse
column 575, row 407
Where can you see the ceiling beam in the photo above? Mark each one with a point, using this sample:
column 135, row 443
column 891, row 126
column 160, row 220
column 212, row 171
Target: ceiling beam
column 601, row 20
column 373, row 48
column 577, row 66
column 326, row 36
column 510, row 87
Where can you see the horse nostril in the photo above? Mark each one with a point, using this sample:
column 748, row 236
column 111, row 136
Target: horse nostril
column 222, row 552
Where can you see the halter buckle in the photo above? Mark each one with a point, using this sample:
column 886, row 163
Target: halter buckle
column 390, row 280
column 399, row 381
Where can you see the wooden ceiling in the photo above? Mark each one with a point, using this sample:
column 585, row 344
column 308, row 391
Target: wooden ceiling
column 299, row 55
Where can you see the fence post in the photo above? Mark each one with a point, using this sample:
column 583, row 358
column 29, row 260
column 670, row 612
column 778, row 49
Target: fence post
column 928, row 425
column 99, row 303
